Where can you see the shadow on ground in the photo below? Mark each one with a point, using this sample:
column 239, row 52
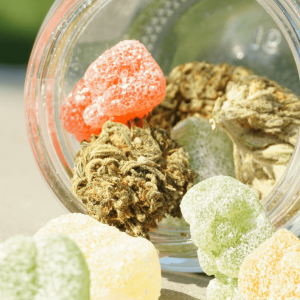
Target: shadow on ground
column 173, row 295
column 200, row 280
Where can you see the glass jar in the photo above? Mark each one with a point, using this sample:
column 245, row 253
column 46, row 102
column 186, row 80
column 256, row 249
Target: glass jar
column 263, row 37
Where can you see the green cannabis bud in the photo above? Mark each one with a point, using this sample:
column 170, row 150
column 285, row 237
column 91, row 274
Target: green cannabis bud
column 262, row 118
column 192, row 90
column 131, row 178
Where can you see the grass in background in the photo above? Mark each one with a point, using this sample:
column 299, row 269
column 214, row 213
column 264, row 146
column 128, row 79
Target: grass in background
column 20, row 21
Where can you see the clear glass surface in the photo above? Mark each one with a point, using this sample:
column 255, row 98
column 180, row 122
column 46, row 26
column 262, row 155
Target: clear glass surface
column 263, row 37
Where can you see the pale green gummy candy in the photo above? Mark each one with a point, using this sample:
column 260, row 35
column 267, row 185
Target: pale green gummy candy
column 227, row 222
column 62, row 270
column 211, row 152
column 217, row 290
column 17, row 269
column 52, row 268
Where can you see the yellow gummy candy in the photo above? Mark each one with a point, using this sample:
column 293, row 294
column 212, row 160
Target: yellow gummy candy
column 120, row 266
column 272, row 271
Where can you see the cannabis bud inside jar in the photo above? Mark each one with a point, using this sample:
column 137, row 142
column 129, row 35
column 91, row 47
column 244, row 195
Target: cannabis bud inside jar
column 131, row 178
column 260, row 117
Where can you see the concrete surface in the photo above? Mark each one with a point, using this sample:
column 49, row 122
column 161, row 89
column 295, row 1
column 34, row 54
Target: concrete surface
column 27, row 203
column 183, row 286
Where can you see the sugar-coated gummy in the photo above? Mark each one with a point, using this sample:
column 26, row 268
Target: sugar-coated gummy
column 218, row 290
column 18, row 268
column 119, row 264
column 125, row 82
column 71, row 115
column 272, row 271
column 286, row 282
column 227, row 222
column 210, row 151
column 52, row 268
column 62, row 271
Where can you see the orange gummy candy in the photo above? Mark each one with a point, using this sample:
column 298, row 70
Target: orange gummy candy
column 72, row 110
column 124, row 83
column 272, row 271
column 286, row 283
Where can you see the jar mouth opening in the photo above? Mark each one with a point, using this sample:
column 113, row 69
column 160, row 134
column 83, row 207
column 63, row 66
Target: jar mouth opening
column 55, row 150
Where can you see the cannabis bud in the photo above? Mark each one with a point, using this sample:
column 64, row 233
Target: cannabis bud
column 192, row 90
column 131, row 178
column 262, row 118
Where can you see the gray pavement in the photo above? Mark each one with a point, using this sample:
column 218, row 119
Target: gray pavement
column 27, row 203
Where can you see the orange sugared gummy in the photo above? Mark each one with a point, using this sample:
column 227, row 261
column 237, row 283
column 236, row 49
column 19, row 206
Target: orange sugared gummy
column 270, row 271
column 286, row 283
column 124, row 83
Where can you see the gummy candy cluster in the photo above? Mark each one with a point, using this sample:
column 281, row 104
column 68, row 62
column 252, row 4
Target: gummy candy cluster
column 122, row 267
column 272, row 271
column 125, row 82
column 48, row 269
column 227, row 223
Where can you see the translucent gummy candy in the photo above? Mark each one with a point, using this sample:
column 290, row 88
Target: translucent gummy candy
column 211, row 152
column 71, row 114
column 120, row 265
column 286, row 282
column 218, row 290
column 125, row 82
column 52, row 268
column 272, row 271
column 227, row 222
column 17, row 268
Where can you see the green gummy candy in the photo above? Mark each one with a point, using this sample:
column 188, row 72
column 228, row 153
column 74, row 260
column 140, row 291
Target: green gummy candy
column 17, row 269
column 62, row 270
column 227, row 222
column 52, row 268
column 217, row 290
column 211, row 152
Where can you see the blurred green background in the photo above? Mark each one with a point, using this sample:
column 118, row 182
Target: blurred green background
column 20, row 21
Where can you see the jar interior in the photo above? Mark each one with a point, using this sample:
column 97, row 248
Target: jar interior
column 239, row 33
column 181, row 31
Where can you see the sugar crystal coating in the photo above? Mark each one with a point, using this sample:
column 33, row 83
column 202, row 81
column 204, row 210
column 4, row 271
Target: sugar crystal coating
column 65, row 225
column 218, row 290
column 52, row 268
column 119, row 264
column 227, row 222
column 272, row 271
column 125, row 82
column 286, row 282
column 71, row 113
column 17, row 268
column 210, row 151
column 62, row 271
